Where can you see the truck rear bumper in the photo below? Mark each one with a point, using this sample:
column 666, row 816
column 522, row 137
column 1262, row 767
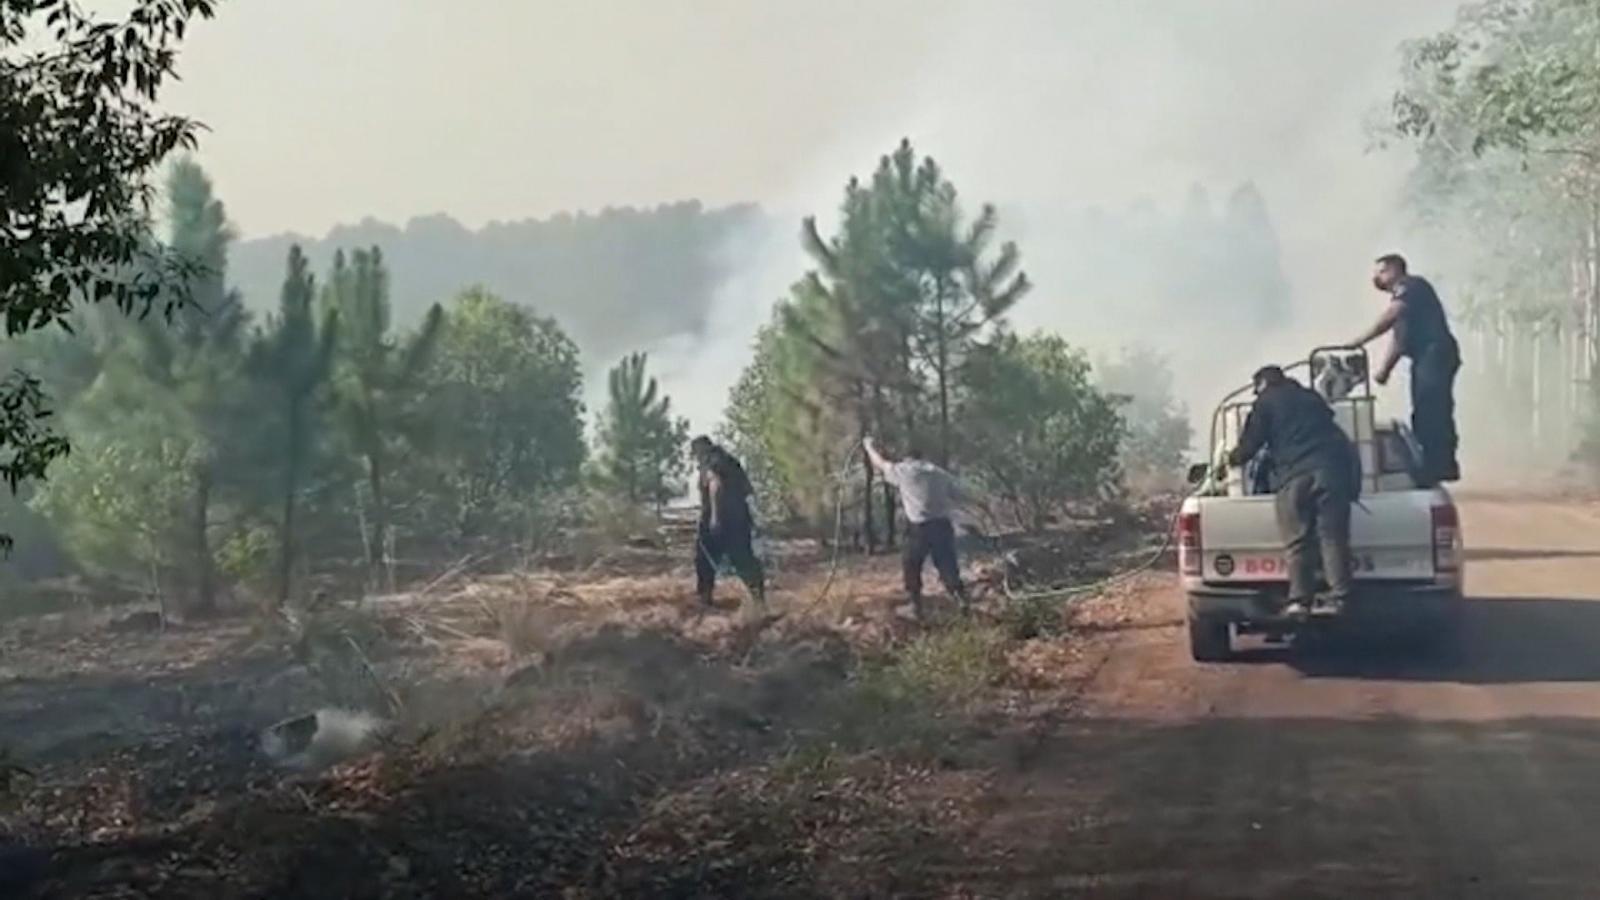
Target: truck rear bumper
column 1402, row 603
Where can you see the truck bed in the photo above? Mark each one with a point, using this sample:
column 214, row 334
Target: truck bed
column 1391, row 534
column 1406, row 539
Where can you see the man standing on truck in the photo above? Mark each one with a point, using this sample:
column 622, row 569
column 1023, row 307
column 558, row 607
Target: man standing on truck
column 1314, row 472
column 929, row 495
column 1422, row 334
column 725, row 531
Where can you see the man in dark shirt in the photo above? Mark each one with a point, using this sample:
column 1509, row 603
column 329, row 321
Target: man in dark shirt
column 724, row 534
column 1421, row 334
column 1313, row 468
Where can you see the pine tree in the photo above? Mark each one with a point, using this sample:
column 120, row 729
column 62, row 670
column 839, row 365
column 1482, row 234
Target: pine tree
column 641, row 443
column 294, row 356
column 199, row 356
column 899, row 296
column 752, row 426
column 188, row 373
column 959, row 286
column 378, row 385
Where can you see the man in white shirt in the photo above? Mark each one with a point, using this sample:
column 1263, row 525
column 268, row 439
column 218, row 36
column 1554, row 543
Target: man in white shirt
column 929, row 495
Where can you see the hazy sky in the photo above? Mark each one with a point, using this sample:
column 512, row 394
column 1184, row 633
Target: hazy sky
column 325, row 112
column 329, row 111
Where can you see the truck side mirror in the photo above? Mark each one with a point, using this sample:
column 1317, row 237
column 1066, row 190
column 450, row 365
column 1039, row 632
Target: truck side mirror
column 1198, row 473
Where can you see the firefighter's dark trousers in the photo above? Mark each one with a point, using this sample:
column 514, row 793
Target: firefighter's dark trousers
column 935, row 538
column 1314, row 514
column 731, row 545
column 1433, row 410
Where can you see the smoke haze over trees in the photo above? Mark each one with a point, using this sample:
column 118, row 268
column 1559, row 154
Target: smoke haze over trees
column 617, row 279
column 1201, row 264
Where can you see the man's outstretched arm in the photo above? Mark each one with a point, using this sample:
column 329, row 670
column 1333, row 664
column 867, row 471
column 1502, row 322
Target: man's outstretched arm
column 879, row 461
column 1386, row 322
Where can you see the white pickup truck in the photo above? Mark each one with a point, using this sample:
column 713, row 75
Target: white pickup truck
column 1406, row 539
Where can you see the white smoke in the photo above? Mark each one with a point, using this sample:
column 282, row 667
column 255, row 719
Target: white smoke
column 698, row 371
column 321, row 739
column 1049, row 109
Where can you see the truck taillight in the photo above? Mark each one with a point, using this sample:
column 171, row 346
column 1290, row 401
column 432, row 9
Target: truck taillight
column 1446, row 539
column 1189, row 543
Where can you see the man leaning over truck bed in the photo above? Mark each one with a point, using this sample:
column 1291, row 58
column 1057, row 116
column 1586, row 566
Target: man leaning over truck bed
column 1313, row 464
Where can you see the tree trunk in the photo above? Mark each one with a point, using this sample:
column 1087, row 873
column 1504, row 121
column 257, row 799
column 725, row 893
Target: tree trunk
column 888, row 516
column 869, row 529
column 942, row 348
column 291, row 486
column 1508, row 354
column 1536, row 365
column 205, row 600
column 827, row 514
column 1591, row 296
column 381, row 569
column 658, row 485
column 881, row 418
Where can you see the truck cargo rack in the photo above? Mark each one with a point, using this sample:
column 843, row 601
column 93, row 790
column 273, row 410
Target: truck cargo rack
column 1355, row 410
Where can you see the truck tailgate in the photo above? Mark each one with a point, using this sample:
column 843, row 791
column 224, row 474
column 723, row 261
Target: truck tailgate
column 1391, row 534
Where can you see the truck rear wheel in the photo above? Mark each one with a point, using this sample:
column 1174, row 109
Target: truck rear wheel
column 1210, row 639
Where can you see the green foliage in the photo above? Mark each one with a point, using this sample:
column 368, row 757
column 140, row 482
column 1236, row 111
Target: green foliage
column 120, row 503
column 378, row 386
column 753, row 431
column 292, row 358
column 903, row 292
column 295, row 351
column 1028, row 617
column 614, row 518
column 641, row 456
column 1501, row 110
column 1514, row 74
column 873, row 339
column 247, row 556
column 504, row 404
column 27, row 446
column 1037, row 434
column 168, row 393
column 1158, row 430
column 79, row 134
column 942, row 268
column 943, row 669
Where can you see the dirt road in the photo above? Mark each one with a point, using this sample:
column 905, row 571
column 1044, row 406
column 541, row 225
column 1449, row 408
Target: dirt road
column 1336, row 772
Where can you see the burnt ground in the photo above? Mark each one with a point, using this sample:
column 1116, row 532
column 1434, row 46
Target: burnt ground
column 579, row 734
column 592, row 737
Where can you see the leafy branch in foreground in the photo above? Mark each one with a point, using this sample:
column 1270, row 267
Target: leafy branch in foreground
column 79, row 137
